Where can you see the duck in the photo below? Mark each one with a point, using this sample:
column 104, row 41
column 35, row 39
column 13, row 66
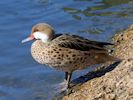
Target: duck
column 66, row 52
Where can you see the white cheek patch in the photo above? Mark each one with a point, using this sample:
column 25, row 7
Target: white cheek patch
column 42, row 36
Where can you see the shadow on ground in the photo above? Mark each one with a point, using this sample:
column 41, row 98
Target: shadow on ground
column 82, row 79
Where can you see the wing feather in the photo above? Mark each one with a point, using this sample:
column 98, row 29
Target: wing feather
column 79, row 43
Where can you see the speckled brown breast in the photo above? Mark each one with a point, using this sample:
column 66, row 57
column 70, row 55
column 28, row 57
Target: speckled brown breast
column 64, row 58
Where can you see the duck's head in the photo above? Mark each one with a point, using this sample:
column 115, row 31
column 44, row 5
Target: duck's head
column 41, row 31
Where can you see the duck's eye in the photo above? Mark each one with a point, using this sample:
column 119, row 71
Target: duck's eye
column 35, row 30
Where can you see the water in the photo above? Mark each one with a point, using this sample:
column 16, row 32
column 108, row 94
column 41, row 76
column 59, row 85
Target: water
column 21, row 78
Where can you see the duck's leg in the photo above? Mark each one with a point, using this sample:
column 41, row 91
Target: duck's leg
column 63, row 88
column 68, row 76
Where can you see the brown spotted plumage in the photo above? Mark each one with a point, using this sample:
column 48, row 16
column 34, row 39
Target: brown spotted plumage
column 66, row 52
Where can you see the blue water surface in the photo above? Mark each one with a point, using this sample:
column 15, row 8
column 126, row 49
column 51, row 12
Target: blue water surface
column 21, row 78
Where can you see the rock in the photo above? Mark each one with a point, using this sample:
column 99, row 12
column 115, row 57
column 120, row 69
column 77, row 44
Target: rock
column 114, row 84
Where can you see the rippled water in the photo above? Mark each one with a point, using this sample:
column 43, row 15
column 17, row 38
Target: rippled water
column 21, row 78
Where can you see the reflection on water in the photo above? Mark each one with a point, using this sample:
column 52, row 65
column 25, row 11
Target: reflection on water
column 115, row 2
column 107, row 9
column 99, row 10
column 21, row 78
